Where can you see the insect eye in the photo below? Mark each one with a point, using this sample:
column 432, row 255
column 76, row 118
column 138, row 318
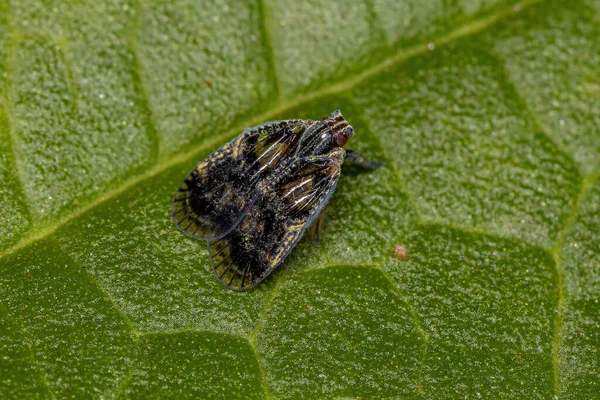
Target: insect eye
column 342, row 137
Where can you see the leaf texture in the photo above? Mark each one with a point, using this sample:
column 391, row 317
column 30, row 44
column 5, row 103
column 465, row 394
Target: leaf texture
column 486, row 113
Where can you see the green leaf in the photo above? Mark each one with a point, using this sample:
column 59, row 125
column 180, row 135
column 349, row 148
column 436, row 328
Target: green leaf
column 486, row 112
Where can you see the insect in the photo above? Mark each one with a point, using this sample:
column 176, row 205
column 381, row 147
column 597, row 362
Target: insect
column 400, row 252
column 253, row 198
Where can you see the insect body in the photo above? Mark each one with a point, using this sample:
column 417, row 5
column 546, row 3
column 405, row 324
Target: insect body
column 252, row 199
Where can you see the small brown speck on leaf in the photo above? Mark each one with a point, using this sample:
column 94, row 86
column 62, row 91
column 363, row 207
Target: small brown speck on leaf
column 400, row 252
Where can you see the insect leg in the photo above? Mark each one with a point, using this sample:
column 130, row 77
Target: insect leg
column 317, row 226
column 355, row 159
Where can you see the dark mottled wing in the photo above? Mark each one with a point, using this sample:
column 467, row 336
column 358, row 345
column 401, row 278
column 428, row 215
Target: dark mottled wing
column 212, row 199
column 287, row 204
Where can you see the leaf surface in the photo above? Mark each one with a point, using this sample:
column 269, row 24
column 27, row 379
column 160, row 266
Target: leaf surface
column 485, row 112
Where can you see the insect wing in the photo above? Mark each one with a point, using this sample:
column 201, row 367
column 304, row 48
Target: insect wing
column 287, row 204
column 214, row 197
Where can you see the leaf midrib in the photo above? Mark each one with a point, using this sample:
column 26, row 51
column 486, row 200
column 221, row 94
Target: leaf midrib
column 285, row 104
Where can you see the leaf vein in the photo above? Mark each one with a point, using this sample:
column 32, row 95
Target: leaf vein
column 557, row 256
column 261, row 372
column 433, row 222
column 137, row 74
column 402, row 186
column 416, row 322
column 267, row 39
column 507, row 81
column 8, row 114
